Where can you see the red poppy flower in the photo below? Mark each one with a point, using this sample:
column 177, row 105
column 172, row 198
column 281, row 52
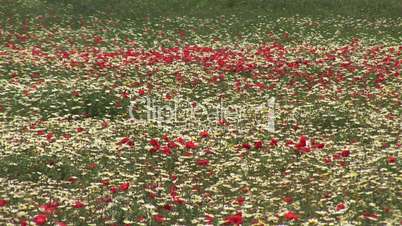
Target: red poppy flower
column 180, row 140
column 274, row 142
column 125, row 95
column 141, row 92
column 49, row 208
column 340, row 206
column 166, row 151
column 40, row 219
column 302, row 142
column 75, row 93
column 124, row 140
column 209, row 219
column 258, row 144
column 290, row 216
column 208, row 151
column 317, row 145
column 165, row 137
column 289, row 143
column 234, row 219
column 72, row 179
column 104, row 124
column 155, row 144
column 172, row 144
column 345, row 153
column 168, row 97
column 3, row 202
column 178, row 200
column 246, row 146
column 140, row 218
column 104, row 182
column 191, row 145
column 370, row 216
column 204, row 134
column 67, row 136
column 49, row 137
column 168, row 207
column 327, row 160
column 288, row 199
column 23, row 222
column 127, row 141
column 337, row 156
column 202, row 162
column 391, row 160
column 78, row 205
column 124, row 186
column 98, row 39
column 35, row 74
column 240, row 200
column 113, row 189
column 173, row 177
column 159, row 218
column 320, row 146
column 91, row 165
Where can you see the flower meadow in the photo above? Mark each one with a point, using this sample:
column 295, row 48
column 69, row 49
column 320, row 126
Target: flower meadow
column 74, row 152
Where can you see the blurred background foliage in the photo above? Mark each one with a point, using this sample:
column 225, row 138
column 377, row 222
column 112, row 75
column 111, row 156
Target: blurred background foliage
column 140, row 9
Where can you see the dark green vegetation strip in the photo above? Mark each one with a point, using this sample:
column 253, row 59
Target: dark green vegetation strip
column 138, row 9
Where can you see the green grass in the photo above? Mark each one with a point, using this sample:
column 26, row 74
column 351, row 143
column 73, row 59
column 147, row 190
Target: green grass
column 28, row 167
column 138, row 9
column 15, row 14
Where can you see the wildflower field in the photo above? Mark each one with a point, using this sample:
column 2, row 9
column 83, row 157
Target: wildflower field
column 199, row 120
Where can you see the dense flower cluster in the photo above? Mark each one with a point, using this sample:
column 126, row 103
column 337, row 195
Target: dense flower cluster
column 71, row 155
